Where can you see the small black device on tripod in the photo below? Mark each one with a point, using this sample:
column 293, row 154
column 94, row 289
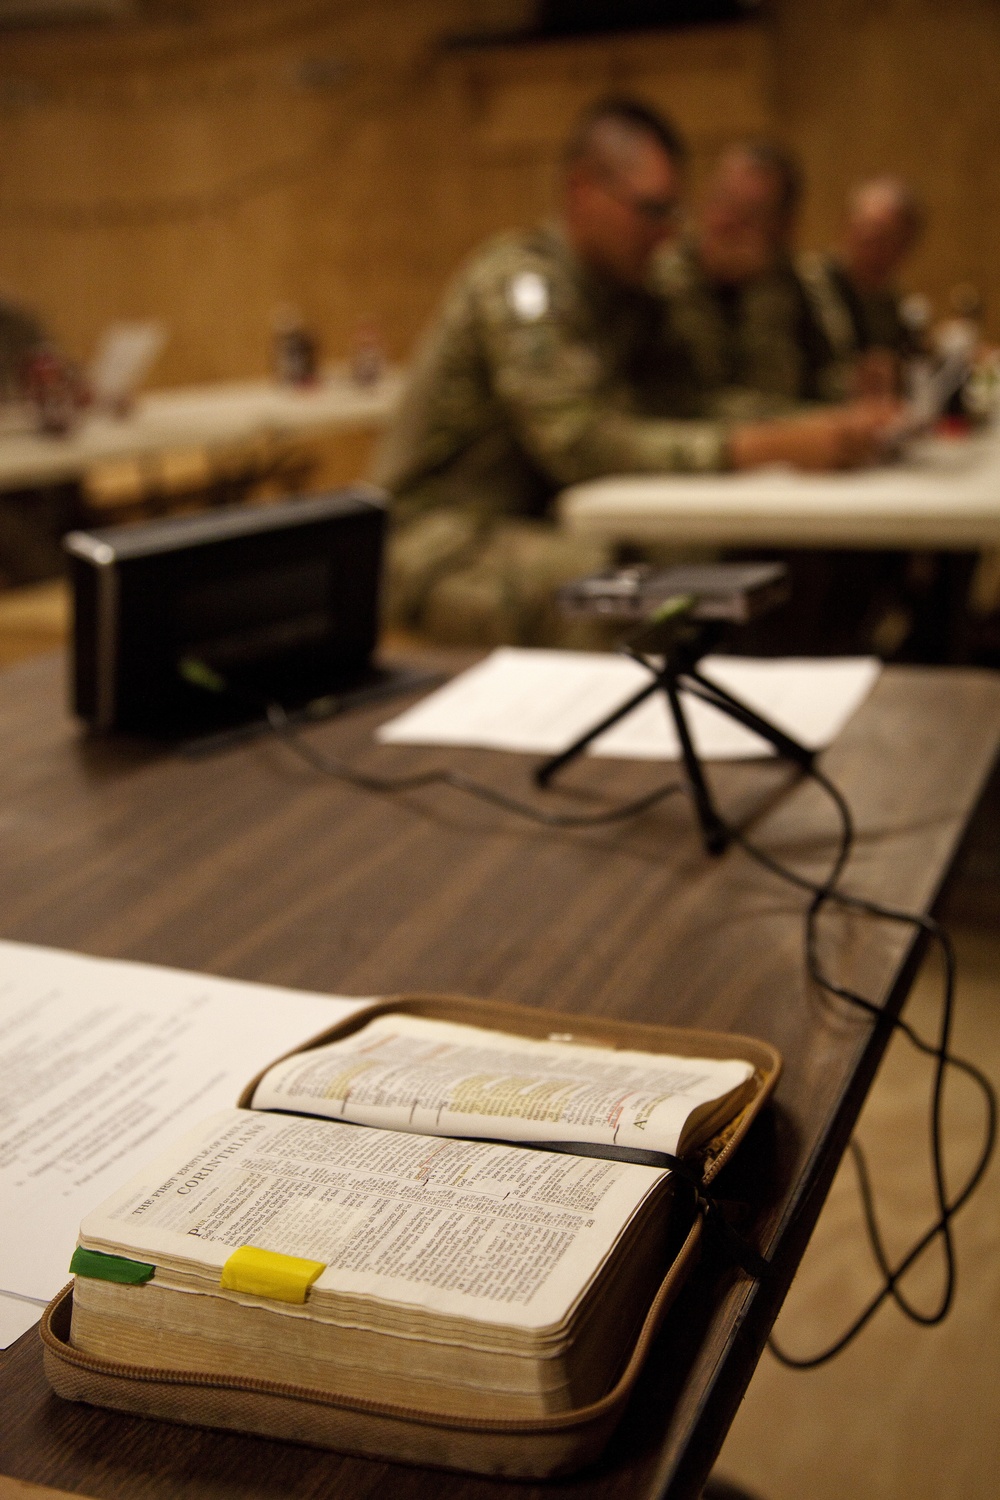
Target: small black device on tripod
column 684, row 613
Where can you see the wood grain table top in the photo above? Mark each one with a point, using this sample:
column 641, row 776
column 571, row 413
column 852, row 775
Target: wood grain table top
column 247, row 863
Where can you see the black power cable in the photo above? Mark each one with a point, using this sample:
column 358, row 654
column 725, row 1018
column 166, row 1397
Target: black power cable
column 343, row 771
column 941, row 1229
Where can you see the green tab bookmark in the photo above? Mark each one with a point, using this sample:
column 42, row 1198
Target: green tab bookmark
column 101, row 1267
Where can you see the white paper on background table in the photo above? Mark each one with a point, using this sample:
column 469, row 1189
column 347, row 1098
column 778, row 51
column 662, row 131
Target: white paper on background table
column 102, row 1064
column 539, row 702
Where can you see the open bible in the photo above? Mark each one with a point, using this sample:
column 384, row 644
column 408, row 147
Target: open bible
column 431, row 1216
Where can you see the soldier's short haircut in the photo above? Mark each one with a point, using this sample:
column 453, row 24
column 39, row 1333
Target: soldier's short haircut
column 780, row 163
column 629, row 116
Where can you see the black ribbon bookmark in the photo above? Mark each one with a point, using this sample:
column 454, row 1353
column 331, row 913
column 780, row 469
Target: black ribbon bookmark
column 727, row 1239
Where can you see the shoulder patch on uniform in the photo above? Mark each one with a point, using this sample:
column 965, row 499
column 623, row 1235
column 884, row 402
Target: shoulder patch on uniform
column 528, row 295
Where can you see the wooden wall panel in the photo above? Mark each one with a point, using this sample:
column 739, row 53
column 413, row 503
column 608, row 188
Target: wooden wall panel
column 913, row 86
column 235, row 154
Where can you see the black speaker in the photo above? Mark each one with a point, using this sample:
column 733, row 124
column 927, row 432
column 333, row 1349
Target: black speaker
column 191, row 625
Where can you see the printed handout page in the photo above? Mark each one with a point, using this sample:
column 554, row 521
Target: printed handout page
column 410, row 1073
column 102, row 1063
column 540, row 701
column 474, row 1229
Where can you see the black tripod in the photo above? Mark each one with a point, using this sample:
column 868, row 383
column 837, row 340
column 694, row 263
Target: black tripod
column 678, row 643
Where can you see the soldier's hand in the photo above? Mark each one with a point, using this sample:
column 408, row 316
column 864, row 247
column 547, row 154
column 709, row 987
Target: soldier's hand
column 843, row 437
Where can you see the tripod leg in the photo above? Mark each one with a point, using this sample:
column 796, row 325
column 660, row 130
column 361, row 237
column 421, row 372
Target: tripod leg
column 548, row 768
column 713, row 830
column 710, row 692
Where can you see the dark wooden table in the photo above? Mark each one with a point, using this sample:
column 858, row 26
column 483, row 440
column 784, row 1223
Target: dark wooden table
column 249, row 864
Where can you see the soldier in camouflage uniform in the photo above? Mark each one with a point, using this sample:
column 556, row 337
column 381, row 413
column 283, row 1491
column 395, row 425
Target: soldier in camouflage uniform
column 539, row 373
column 551, row 363
column 755, row 347
column 736, row 303
column 852, row 290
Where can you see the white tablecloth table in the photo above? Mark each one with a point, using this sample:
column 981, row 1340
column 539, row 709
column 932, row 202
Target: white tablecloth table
column 206, row 416
column 944, row 496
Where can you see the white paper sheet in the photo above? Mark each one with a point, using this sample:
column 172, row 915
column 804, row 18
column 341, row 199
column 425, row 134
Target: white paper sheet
column 17, row 1315
column 539, row 702
column 102, row 1064
column 124, row 356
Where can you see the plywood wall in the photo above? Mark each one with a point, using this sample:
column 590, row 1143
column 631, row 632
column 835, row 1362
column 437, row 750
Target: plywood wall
column 229, row 155
column 908, row 85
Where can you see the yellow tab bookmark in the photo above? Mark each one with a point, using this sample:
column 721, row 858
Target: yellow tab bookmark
column 265, row 1273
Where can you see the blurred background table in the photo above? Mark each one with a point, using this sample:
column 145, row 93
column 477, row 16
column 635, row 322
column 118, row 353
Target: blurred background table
column 203, row 416
column 945, row 495
column 179, row 450
column 888, row 559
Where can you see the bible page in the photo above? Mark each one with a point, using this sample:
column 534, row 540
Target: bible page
column 409, row 1073
column 490, row 1233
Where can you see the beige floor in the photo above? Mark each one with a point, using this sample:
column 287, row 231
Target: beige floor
column 905, row 1413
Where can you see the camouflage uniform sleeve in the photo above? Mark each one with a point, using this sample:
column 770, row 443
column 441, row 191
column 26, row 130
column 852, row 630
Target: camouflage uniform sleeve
column 568, row 411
